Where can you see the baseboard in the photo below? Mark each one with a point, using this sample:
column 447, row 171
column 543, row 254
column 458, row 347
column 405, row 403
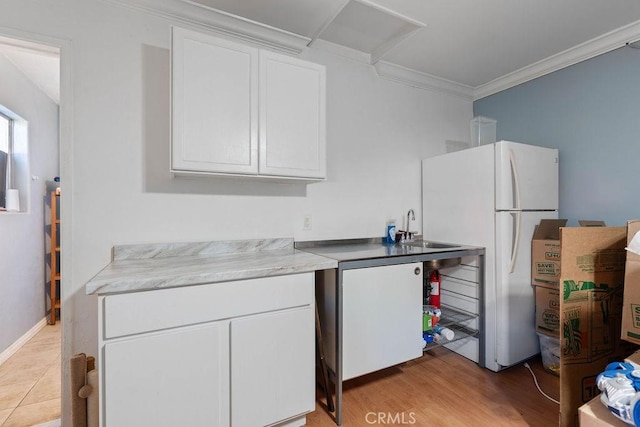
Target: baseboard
column 13, row 348
column 54, row 423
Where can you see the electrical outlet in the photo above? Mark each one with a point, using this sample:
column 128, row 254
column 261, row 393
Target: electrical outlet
column 306, row 222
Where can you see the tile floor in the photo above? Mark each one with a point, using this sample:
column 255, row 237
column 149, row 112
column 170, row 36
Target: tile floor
column 30, row 381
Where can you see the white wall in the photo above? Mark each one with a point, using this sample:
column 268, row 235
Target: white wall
column 115, row 170
column 22, row 235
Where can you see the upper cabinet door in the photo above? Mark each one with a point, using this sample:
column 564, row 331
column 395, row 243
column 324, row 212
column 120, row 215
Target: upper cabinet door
column 292, row 117
column 214, row 104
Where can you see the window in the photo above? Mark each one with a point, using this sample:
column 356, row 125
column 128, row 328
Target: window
column 14, row 161
column 6, row 125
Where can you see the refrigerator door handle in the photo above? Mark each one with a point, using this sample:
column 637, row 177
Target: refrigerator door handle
column 516, row 240
column 516, row 179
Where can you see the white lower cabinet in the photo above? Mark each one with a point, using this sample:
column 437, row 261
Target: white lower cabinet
column 381, row 317
column 161, row 380
column 225, row 354
column 270, row 373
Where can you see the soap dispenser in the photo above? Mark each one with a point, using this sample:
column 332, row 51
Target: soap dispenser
column 390, row 234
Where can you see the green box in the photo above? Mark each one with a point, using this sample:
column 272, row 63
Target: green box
column 427, row 322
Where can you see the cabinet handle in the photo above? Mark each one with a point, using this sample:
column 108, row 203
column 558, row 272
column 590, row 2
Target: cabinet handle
column 417, row 271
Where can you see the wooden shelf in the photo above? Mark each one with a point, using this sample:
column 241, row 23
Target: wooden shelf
column 55, row 256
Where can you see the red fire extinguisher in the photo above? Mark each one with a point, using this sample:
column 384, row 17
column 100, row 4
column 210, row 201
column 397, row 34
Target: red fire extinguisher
column 434, row 281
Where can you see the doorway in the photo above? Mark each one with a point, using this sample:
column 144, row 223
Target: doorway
column 30, row 347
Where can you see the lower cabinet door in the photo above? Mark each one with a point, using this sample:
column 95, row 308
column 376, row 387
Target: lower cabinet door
column 272, row 367
column 382, row 317
column 171, row 378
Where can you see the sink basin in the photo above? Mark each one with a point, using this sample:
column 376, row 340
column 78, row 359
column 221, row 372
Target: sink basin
column 436, row 264
column 431, row 245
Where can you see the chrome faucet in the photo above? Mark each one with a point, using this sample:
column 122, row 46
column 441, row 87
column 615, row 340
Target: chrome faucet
column 411, row 215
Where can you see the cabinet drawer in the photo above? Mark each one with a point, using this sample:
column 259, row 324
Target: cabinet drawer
column 126, row 314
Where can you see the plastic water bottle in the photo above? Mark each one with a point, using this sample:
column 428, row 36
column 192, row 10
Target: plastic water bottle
column 444, row 332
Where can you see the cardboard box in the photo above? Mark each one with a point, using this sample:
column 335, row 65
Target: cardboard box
column 545, row 250
column 591, row 317
column 633, row 357
column 547, row 311
column 595, row 414
column 592, row 277
column 545, row 253
column 588, row 223
column 631, row 307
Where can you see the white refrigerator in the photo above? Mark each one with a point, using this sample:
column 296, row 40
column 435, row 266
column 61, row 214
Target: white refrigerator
column 494, row 196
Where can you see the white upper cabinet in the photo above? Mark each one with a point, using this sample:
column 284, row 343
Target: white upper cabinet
column 214, row 104
column 292, row 117
column 238, row 110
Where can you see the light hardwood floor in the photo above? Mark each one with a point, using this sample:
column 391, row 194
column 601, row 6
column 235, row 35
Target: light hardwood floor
column 30, row 381
column 445, row 389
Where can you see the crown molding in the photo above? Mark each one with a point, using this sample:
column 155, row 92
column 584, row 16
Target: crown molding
column 29, row 47
column 589, row 49
column 421, row 80
column 397, row 73
column 199, row 15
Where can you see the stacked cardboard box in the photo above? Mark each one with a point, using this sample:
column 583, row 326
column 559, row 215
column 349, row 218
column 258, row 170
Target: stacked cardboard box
column 594, row 413
column 546, row 259
column 545, row 253
column 631, row 307
column 545, row 275
column 591, row 279
column 548, row 311
column 545, row 250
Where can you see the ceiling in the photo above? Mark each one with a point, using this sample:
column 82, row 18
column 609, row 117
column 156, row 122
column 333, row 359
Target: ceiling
column 469, row 47
column 468, row 42
column 39, row 63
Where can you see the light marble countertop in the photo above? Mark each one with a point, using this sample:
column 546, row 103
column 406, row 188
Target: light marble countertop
column 168, row 265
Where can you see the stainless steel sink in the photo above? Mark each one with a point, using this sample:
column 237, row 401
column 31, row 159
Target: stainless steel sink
column 431, row 245
column 436, row 264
